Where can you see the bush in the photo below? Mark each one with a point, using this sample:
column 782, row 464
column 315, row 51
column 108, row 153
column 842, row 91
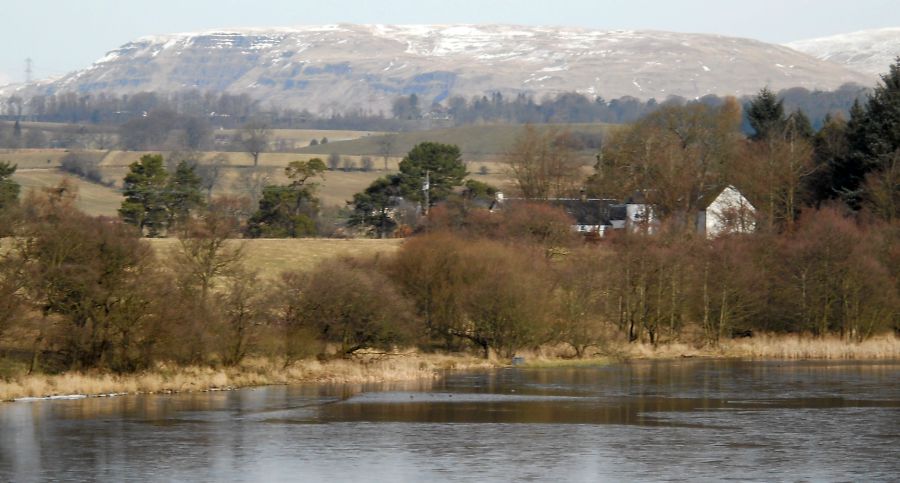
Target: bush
column 491, row 294
column 82, row 165
column 334, row 161
column 355, row 307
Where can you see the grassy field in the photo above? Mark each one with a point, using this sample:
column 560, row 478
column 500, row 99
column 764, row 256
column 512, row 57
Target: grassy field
column 94, row 199
column 274, row 256
column 271, row 256
column 33, row 158
column 40, row 168
column 482, row 147
column 475, row 142
column 121, row 159
column 63, row 127
column 293, row 137
column 298, row 138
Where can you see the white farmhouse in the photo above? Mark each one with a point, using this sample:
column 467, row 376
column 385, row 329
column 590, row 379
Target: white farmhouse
column 729, row 211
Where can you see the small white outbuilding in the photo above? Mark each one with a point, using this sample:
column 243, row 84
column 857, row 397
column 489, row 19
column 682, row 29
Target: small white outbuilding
column 727, row 212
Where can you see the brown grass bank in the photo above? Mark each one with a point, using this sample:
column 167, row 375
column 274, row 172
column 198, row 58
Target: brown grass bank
column 253, row 372
column 787, row 347
column 409, row 367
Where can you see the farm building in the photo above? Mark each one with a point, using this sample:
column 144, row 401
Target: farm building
column 726, row 211
column 723, row 211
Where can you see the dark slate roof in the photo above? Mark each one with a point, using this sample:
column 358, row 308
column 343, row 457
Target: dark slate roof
column 710, row 195
column 617, row 212
column 591, row 211
column 586, row 212
column 713, row 192
column 637, row 198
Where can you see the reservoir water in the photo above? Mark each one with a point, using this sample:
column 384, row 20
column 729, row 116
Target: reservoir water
column 686, row 420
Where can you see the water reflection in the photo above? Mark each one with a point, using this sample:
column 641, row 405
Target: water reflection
column 688, row 419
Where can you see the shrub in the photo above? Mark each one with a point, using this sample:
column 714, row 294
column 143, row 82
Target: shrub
column 83, row 166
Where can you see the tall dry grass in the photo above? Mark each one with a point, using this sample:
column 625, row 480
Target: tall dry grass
column 789, row 347
column 254, row 372
column 413, row 366
column 800, row 347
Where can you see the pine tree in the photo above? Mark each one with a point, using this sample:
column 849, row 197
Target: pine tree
column 372, row 208
column 798, row 126
column 182, row 194
column 873, row 138
column 883, row 116
column 830, row 148
column 144, row 189
column 766, row 115
column 439, row 164
column 848, row 171
column 289, row 211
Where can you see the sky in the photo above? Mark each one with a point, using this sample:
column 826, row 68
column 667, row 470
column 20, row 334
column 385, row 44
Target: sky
column 64, row 35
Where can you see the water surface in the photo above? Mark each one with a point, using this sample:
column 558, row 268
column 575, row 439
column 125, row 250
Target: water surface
column 655, row 421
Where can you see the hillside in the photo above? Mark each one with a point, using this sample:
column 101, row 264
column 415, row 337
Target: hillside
column 867, row 51
column 334, row 68
column 271, row 257
column 475, row 142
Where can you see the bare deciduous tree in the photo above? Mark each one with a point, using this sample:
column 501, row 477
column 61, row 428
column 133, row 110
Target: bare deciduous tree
column 251, row 182
column 543, row 164
column 211, row 172
column 386, row 146
column 674, row 156
column 254, row 138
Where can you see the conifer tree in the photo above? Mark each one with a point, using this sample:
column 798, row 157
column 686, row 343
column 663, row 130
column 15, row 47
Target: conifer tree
column 766, row 115
column 433, row 167
column 144, row 189
column 289, row 211
column 372, row 207
column 798, row 126
column 182, row 193
column 873, row 139
column 830, row 149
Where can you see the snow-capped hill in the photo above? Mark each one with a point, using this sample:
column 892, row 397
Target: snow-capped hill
column 867, row 51
column 338, row 67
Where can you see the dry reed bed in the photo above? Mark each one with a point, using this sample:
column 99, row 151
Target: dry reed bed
column 259, row 372
column 787, row 347
column 256, row 372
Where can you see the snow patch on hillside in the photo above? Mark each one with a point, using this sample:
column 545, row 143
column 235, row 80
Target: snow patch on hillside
column 867, row 51
column 335, row 67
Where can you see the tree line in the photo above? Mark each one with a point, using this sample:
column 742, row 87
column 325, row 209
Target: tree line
column 677, row 155
column 578, row 108
column 80, row 292
column 193, row 109
column 675, row 158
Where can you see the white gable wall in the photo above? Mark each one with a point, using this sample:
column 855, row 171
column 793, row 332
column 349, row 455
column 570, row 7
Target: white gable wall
column 730, row 212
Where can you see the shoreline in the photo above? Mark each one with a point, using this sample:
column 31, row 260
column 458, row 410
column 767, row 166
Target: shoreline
column 255, row 372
